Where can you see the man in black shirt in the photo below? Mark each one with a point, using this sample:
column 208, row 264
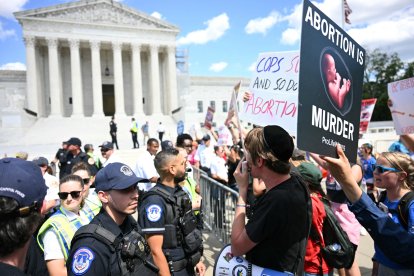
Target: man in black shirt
column 275, row 236
column 113, row 130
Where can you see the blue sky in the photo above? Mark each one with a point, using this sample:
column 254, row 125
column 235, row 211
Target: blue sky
column 224, row 38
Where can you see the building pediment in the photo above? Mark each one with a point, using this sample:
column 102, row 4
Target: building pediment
column 99, row 12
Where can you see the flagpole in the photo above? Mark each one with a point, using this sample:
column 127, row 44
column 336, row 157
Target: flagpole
column 343, row 13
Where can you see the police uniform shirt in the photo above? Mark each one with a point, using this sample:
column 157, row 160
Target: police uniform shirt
column 89, row 256
column 81, row 157
column 152, row 217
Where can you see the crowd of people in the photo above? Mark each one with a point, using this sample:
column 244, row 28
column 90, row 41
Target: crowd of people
column 72, row 216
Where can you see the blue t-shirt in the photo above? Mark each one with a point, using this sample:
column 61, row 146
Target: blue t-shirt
column 393, row 212
column 367, row 168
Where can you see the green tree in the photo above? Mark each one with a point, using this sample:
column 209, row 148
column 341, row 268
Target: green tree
column 381, row 69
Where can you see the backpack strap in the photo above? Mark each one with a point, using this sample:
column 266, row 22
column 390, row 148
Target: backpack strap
column 403, row 208
column 98, row 232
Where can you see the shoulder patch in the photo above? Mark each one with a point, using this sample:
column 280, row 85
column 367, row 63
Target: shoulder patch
column 82, row 260
column 154, row 212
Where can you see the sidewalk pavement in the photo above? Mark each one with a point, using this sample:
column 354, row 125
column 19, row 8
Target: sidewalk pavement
column 212, row 248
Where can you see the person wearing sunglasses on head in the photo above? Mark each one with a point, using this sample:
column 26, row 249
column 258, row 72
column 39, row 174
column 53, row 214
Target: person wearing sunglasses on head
column 92, row 205
column 56, row 233
column 396, row 175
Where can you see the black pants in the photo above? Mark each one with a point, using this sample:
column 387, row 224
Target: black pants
column 114, row 140
column 160, row 135
column 135, row 139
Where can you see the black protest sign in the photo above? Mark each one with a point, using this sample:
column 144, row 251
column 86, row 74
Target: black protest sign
column 330, row 86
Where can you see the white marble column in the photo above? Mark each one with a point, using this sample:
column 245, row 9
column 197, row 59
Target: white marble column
column 55, row 85
column 155, row 80
column 96, row 79
column 137, row 80
column 118, row 79
column 77, row 93
column 32, row 91
column 171, row 80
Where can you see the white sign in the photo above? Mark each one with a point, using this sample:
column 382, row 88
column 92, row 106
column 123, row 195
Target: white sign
column 274, row 91
column 401, row 94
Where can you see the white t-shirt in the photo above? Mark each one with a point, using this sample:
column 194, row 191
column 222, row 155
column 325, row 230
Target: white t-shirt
column 145, row 168
column 219, row 168
column 112, row 159
column 204, row 155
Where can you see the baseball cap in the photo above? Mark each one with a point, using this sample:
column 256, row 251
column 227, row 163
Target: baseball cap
column 206, row 137
column 40, row 161
column 74, row 141
column 279, row 142
column 116, row 176
column 22, row 180
column 107, row 145
column 166, row 144
column 22, row 155
column 310, row 173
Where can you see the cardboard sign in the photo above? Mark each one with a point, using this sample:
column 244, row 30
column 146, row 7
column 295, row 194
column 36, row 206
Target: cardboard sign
column 208, row 122
column 274, row 88
column 367, row 107
column 401, row 94
column 330, row 86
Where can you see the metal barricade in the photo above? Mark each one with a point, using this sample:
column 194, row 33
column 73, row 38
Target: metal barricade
column 218, row 205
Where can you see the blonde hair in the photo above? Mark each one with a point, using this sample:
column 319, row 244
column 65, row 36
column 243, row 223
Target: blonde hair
column 404, row 163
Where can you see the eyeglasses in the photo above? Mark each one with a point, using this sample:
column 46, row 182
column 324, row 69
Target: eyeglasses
column 382, row 169
column 86, row 181
column 73, row 194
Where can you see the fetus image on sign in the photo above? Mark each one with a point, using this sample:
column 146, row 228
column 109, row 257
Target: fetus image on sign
column 336, row 80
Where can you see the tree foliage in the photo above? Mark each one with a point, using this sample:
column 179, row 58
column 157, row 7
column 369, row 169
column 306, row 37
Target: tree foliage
column 381, row 69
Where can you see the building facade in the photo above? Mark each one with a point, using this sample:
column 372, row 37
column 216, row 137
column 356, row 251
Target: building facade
column 96, row 58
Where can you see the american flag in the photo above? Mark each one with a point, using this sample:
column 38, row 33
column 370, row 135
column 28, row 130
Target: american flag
column 347, row 12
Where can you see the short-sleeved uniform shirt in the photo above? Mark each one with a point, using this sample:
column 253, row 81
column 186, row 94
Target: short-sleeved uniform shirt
column 89, row 256
column 278, row 224
column 152, row 217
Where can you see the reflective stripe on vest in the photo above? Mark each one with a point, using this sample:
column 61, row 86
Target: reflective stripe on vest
column 63, row 228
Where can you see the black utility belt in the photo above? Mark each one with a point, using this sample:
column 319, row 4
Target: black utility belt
column 178, row 265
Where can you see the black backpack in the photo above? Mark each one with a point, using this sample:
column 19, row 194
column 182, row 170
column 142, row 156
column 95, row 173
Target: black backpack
column 338, row 252
column 403, row 206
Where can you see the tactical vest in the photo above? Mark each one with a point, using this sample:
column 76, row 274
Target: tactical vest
column 64, row 229
column 180, row 225
column 130, row 254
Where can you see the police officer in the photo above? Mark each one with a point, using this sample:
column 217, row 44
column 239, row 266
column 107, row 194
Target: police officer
column 168, row 222
column 111, row 244
column 75, row 155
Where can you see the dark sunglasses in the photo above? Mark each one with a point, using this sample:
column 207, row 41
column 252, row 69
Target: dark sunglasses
column 73, row 194
column 104, row 150
column 382, row 169
column 86, row 181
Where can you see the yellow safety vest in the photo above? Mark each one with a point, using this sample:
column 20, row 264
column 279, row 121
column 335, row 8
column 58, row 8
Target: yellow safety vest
column 64, row 229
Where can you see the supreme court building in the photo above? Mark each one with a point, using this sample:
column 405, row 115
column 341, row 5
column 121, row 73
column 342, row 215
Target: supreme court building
column 98, row 58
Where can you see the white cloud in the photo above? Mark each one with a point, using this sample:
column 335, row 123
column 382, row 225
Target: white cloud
column 216, row 28
column 388, row 26
column 396, row 34
column 6, row 33
column 13, row 66
column 262, row 24
column 218, row 67
column 291, row 35
column 252, row 67
column 156, row 15
column 8, row 7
